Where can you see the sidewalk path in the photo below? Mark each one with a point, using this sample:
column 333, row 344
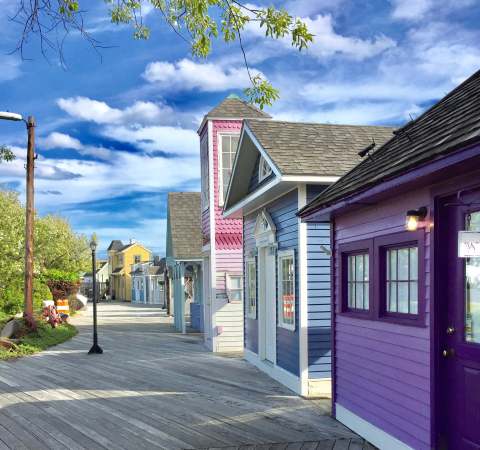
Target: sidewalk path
column 153, row 388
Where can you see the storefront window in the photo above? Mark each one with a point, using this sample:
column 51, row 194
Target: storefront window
column 286, row 289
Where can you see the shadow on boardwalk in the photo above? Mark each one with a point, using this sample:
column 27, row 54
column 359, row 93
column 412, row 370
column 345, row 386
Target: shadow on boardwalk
column 153, row 388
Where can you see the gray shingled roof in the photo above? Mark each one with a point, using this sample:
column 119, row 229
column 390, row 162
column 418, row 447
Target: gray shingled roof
column 115, row 245
column 234, row 108
column 184, row 216
column 315, row 149
column 452, row 123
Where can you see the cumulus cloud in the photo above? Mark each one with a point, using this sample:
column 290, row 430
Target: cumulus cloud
column 156, row 138
column 10, row 65
column 186, row 75
column 416, row 10
column 91, row 110
column 56, row 140
column 327, row 42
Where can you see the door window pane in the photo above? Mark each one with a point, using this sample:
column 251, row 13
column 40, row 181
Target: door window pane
column 472, row 288
column 358, row 281
column 402, row 280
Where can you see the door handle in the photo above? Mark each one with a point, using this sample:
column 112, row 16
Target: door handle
column 448, row 353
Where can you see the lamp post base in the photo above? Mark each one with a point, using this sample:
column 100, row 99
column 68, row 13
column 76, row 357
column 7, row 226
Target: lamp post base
column 95, row 350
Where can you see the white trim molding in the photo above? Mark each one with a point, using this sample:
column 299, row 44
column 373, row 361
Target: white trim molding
column 273, row 371
column 310, row 179
column 368, row 431
column 303, row 291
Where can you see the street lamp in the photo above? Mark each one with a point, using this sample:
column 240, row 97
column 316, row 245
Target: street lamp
column 96, row 349
column 28, row 287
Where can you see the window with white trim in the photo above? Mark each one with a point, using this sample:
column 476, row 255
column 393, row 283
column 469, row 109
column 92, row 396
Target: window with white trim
column 235, row 287
column 286, row 289
column 264, row 169
column 227, row 151
column 251, row 288
column 204, row 173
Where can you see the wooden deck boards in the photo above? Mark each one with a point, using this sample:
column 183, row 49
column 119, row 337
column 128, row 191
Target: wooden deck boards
column 153, row 388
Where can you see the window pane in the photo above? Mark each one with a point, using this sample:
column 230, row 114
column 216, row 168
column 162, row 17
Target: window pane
column 351, row 268
column 392, row 258
column 358, row 267
column 402, row 297
column 359, row 296
column 351, row 295
column 235, row 282
column 235, row 295
column 413, row 297
column 403, row 263
column 366, row 268
column 366, row 296
column 414, row 263
column 392, row 296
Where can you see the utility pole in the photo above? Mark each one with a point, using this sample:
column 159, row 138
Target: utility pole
column 28, row 294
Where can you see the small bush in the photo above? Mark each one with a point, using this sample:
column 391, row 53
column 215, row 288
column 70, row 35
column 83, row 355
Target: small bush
column 44, row 337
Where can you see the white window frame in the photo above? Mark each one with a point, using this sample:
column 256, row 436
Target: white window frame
column 251, row 312
column 228, row 282
column 285, row 254
column 262, row 173
column 221, row 187
column 205, row 173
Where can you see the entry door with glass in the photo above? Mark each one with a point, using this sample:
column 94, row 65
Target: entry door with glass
column 459, row 297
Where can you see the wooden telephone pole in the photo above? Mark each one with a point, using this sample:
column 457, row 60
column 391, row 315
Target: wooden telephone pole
column 28, row 294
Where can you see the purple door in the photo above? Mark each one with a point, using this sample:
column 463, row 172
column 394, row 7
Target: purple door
column 459, row 327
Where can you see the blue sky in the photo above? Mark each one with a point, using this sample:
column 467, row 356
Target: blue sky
column 117, row 131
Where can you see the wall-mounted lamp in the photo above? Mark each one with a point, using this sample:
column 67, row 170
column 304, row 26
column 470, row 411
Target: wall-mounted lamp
column 414, row 216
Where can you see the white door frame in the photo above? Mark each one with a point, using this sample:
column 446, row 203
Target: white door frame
column 265, row 237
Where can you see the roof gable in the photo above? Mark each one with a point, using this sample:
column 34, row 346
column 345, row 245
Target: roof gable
column 184, row 230
column 312, row 148
column 291, row 149
column 449, row 125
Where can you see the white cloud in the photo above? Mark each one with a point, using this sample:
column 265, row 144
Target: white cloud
column 10, row 65
column 140, row 112
column 327, row 42
column 416, row 10
column 172, row 140
column 56, row 140
column 186, row 75
column 60, row 140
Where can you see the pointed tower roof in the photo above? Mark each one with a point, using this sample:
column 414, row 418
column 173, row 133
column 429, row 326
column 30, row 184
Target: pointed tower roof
column 232, row 107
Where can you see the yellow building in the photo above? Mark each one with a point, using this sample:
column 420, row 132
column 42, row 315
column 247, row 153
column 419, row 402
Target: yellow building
column 121, row 258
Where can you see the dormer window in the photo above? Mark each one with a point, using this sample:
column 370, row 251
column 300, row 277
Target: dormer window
column 264, row 169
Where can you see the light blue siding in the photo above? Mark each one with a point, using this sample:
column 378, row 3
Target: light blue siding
column 319, row 303
column 196, row 316
column 283, row 213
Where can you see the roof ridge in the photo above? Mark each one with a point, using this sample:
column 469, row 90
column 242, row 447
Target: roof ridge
column 317, row 123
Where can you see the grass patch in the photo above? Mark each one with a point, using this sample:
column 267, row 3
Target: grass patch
column 43, row 338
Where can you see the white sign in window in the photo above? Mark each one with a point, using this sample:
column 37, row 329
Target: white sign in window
column 469, row 244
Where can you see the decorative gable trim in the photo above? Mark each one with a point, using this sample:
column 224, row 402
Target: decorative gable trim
column 264, row 169
column 265, row 229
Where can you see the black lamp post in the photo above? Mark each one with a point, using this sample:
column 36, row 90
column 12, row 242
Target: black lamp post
column 96, row 349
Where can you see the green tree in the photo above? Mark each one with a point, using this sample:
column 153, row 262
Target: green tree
column 198, row 22
column 56, row 248
column 6, row 154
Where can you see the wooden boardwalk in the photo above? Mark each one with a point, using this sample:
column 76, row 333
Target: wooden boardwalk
column 153, row 388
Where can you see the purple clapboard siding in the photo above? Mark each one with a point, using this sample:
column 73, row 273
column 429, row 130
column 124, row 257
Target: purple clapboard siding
column 249, row 246
column 382, row 369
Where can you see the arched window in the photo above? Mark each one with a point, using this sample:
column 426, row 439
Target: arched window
column 264, row 169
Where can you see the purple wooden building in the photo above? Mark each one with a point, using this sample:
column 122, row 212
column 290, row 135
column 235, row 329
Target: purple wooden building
column 406, row 282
